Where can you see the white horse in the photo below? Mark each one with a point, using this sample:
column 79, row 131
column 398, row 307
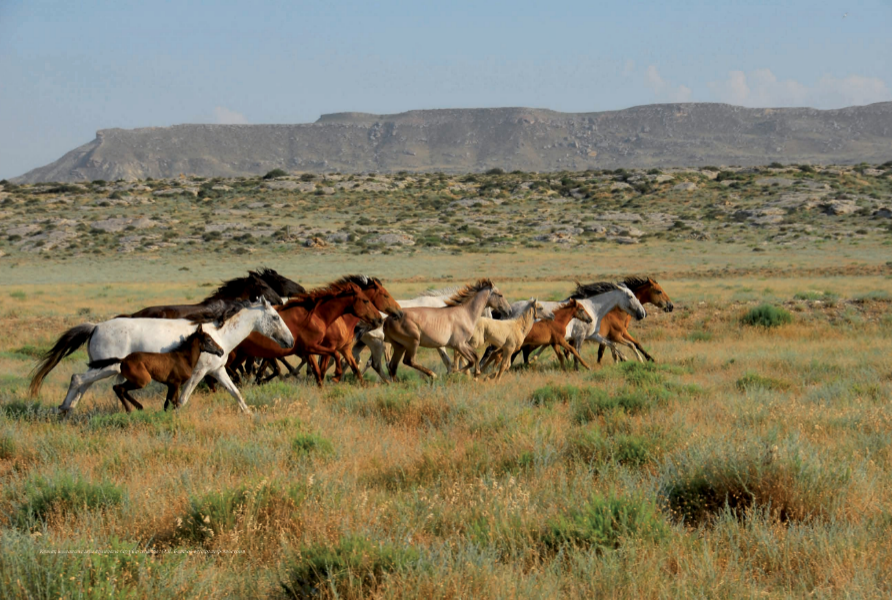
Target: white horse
column 117, row 338
column 599, row 299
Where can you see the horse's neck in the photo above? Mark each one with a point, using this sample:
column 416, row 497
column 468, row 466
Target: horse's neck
column 526, row 319
column 563, row 316
column 604, row 303
column 231, row 333
column 193, row 352
column 330, row 309
column 478, row 303
column 642, row 293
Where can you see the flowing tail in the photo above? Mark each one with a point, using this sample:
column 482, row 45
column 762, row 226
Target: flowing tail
column 69, row 342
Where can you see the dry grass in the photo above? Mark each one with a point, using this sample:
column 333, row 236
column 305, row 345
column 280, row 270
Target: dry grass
column 747, row 463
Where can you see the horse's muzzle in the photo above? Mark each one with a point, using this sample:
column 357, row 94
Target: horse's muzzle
column 668, row 308
column 285, row 342
column 375, row 323
column 639, row 315
column 395, row 313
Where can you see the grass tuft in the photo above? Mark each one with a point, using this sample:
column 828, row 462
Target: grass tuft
column 766, row 316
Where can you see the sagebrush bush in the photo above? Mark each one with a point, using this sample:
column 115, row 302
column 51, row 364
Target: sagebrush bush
column 309, row 443
column 604, row 521
column 766, row 316
column 275, row 173
column 64, row 492
column 752, row 381
column 353, row 568
column 217, row 511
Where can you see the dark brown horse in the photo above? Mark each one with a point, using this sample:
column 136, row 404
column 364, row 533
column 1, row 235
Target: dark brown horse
column 214, row 308
column 614, row 326
column 173, row 368
column 309, row 316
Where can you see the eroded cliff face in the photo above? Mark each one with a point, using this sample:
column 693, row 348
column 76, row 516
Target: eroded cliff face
column 463, row 140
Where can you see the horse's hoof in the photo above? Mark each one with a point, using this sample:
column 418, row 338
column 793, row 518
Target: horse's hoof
column 433, row 376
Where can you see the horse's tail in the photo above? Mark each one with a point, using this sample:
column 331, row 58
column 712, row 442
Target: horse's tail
column 69, row 342
column 100, row 363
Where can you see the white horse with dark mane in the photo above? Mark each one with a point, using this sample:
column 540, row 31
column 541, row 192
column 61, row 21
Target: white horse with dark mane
column 117, row 338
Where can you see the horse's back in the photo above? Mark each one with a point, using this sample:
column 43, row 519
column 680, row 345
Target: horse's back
column 122, row 336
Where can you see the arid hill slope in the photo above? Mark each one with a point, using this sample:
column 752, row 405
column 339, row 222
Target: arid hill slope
column 463, row 140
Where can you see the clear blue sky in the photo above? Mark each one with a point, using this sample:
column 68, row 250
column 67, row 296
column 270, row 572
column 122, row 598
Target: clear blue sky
column 69, row 68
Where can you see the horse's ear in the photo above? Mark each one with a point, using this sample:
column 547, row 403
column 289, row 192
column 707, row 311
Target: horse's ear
column 199, row 330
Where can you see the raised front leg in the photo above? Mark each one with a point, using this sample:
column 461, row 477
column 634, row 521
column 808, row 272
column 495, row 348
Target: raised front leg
column 81, row 382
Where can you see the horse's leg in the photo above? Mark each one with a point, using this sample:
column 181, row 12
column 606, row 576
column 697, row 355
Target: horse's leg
column 226, row 383
column 393, row 365
column 377, row 360
column 637, row 346
column 81, row 382
column 172, row 390
column 576, row 355
column 559, row 355
column 291, row 370
column 535, row 355
column 317, row 373
column 347, row 353
column 409, row 359
column 446, row 360
column 118, row 388
column 601, row 348
column 471, row 355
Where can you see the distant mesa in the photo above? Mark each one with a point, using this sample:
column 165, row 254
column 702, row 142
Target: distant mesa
column 464, row 140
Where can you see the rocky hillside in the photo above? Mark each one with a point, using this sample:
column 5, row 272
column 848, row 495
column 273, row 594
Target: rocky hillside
column 459, row 141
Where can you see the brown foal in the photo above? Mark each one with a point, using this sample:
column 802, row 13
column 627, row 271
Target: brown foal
column 552, row 332
column 173, row 368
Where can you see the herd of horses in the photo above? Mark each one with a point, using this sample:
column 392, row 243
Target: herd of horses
column 249, row 325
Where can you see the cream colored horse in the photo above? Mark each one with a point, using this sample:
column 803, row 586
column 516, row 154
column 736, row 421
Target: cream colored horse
column 450, row 326
column 506, row 336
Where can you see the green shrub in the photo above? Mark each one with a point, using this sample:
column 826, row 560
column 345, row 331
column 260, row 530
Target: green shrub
column 215, row 512
column 353, row 568
column 557, row 393
column 597, row 402
column 628, row 449
column 752, row 381
column 64, row 493
column 311, row 443
column 766, row 316
column 603, row 522
column 7, row 446
column 275, row 173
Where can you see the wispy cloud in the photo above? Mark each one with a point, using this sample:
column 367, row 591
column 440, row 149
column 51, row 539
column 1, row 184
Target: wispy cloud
column 229, row 117
column 663, row 90
column 761, row 88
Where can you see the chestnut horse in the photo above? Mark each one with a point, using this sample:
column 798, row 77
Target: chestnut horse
column 552, row 332
column 308, row 317
column 614, row 326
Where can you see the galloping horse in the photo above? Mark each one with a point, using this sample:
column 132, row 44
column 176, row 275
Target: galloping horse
column 615, row 324
column 553, row 332
column 121, row 336
column 309, row 316
column 449, row 326
column 506, row 336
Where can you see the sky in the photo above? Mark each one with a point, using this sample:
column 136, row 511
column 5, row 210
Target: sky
column 68, row 69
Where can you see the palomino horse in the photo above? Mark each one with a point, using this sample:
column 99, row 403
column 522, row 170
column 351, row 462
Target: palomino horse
column 553, row 332
column 214, row 306
column 121, row 336
column 449, row 326
column 615, row 325
column 173, row 368
column 309, row 316
column 505, row 336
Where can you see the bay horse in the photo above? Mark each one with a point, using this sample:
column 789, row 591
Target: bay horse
column 249, row 287
column 615, row 324
column 505, row 336
column 119, row 337
column 308, row 317
column 553, row 333
column 436, row 327
column 173, row 368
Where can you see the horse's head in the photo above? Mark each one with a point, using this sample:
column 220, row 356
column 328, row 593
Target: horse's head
column 272, row 325
column 580, row 313
column 363, row 307
column 381, row 298
column 497, row 302
column 540, row 311
column 206, row 343
column 655, row 295
column 630, row 303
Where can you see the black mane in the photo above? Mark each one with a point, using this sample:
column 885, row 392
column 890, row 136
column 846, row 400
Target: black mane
column 593, row 289
column 218, row 311
column 363, row 281
column 245, row 288
column 282, row 285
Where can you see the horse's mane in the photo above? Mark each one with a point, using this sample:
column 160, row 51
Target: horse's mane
column 593, row 289
column 466, row 293
column 282, row 285
column 363, row 281
column 442, row 291
column 219, row 311
column 252, row 284
column 312, row 297
column 633, row 282
column 567, row 304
